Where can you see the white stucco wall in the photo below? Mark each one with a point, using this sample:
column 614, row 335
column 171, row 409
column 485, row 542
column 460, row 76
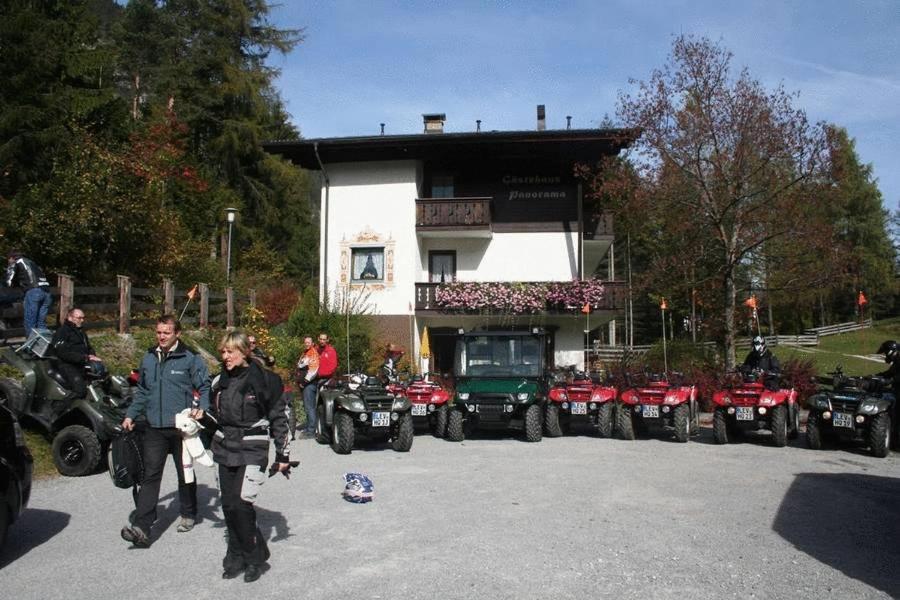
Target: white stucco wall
column 537, row 256
column 376, row 197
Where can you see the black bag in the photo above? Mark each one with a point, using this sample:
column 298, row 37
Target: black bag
column 126, row 465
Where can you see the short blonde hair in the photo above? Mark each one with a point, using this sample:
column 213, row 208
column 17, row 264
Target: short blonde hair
column 235, row 340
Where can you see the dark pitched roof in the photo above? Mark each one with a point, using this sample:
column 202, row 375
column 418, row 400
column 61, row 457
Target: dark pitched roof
column 569, row 145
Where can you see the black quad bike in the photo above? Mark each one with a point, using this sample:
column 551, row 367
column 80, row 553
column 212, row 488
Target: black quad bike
column 79, row 429
column 855, row 409
column 361, row 404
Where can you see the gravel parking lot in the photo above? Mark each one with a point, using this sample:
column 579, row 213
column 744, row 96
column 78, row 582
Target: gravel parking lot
column 495, row 517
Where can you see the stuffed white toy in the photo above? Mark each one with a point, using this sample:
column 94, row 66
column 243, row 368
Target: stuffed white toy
column 192, row 449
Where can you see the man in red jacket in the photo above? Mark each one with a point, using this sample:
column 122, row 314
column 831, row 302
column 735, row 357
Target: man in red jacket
column 328, row 364
column 328, row 360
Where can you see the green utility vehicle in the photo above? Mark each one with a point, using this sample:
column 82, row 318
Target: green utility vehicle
column 501, row 382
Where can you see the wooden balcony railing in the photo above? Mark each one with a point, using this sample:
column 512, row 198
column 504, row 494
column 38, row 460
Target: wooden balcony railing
column 614, row 297
column 452, row 213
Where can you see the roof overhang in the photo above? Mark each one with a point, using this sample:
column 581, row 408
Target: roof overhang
column 566, row 146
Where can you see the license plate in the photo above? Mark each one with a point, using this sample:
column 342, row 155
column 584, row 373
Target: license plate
column 419, row 410
column 579, row 408
column 744, row 413
column 842, row 420
column 381, row 419
column 650, row 411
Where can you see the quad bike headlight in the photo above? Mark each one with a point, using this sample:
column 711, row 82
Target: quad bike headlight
column 869, row 408
column 357, row 405
column 522, row 396
column 397, row 405
column 463, row 396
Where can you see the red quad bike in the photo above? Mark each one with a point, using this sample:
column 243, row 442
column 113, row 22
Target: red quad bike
column 748, row 403
column 660, row 401
column 429, row 398
column 579, row 400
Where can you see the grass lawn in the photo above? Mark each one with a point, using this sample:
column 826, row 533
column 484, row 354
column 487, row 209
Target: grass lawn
column 845, row 350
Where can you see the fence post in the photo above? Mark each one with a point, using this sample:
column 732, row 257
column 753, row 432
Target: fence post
column 204, row 305
column 229, row 307
column 66, row 296
column 252, row 294
column 124, row 303
column 168, row 297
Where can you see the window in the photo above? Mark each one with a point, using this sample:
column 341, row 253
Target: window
column 442, row 266
column 367, row 264
column 442, row 186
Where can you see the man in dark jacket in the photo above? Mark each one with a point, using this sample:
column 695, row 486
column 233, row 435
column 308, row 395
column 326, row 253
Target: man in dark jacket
column 23, row 272
column 891, row 351
column 73, row 349
column 172, row 378
column 760, row 358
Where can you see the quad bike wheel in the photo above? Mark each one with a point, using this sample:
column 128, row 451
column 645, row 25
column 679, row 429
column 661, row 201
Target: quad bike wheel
column 625, row 422
column 551, row 421
column 682, row 422
column 880, row 435
column 76, row 451
column 322, row 434
column 12, row 395
column 533, row 425
column 780, row 426
column 455, row 431
column 439, row 421
column 605, row 420
column 342, row 433
column 720, row 426
column 403, row 439
column 813, row 432
column 794, row 432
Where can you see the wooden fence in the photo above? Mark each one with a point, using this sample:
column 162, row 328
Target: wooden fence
column 806, row 339
column 839, row 328
column 123, row 306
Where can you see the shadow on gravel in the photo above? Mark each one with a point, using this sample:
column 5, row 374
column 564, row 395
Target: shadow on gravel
column 33, row 528
column 849, row 522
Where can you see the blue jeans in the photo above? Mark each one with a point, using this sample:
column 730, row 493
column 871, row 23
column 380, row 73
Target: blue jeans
column 309, row 404
column 37, row 305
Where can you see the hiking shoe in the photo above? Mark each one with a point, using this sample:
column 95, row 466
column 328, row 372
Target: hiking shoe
column 254, row 572
column 135, row 535
column 186, row 524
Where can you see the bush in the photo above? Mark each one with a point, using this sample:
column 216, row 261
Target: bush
column 277, row 302
column 335, row 317
column 798, row 374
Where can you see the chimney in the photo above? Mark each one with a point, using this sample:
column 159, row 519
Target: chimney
column 541, row 118
column 434, row 123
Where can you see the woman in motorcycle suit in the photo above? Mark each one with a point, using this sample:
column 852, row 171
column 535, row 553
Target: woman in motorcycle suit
column 246, row 411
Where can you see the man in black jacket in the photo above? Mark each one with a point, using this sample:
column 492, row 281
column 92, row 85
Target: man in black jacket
column 73, row 349
column 23, row 272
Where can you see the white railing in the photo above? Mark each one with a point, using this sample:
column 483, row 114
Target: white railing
column 806, row 339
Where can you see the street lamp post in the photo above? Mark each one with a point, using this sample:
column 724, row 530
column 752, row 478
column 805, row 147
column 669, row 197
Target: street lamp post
column 229, row 213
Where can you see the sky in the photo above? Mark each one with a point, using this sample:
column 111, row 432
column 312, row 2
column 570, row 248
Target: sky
column 367, row 62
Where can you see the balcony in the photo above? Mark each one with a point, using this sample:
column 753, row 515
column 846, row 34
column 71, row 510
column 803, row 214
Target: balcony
column 453, row 217
column 526, row 298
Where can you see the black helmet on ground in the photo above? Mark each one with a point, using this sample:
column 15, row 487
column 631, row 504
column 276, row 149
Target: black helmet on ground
column 890, row 349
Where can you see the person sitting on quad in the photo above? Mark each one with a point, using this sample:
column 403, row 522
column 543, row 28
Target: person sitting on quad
column 760, row 358
column 392, row 354
column 891, row 351
column 73, row 350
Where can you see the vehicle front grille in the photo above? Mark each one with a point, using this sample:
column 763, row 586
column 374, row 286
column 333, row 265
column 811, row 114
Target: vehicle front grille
column 492, row 398
column 490, row 409
column 844, row 405
column 744, row 398
column 418, row 395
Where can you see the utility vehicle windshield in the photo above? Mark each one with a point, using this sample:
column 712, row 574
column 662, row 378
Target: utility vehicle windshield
column 499, row 356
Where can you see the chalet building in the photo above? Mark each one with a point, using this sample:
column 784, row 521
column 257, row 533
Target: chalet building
column 442, row 231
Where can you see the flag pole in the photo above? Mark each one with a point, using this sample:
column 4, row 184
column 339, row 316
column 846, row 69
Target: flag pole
column 662, row 310
column 190, row 295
